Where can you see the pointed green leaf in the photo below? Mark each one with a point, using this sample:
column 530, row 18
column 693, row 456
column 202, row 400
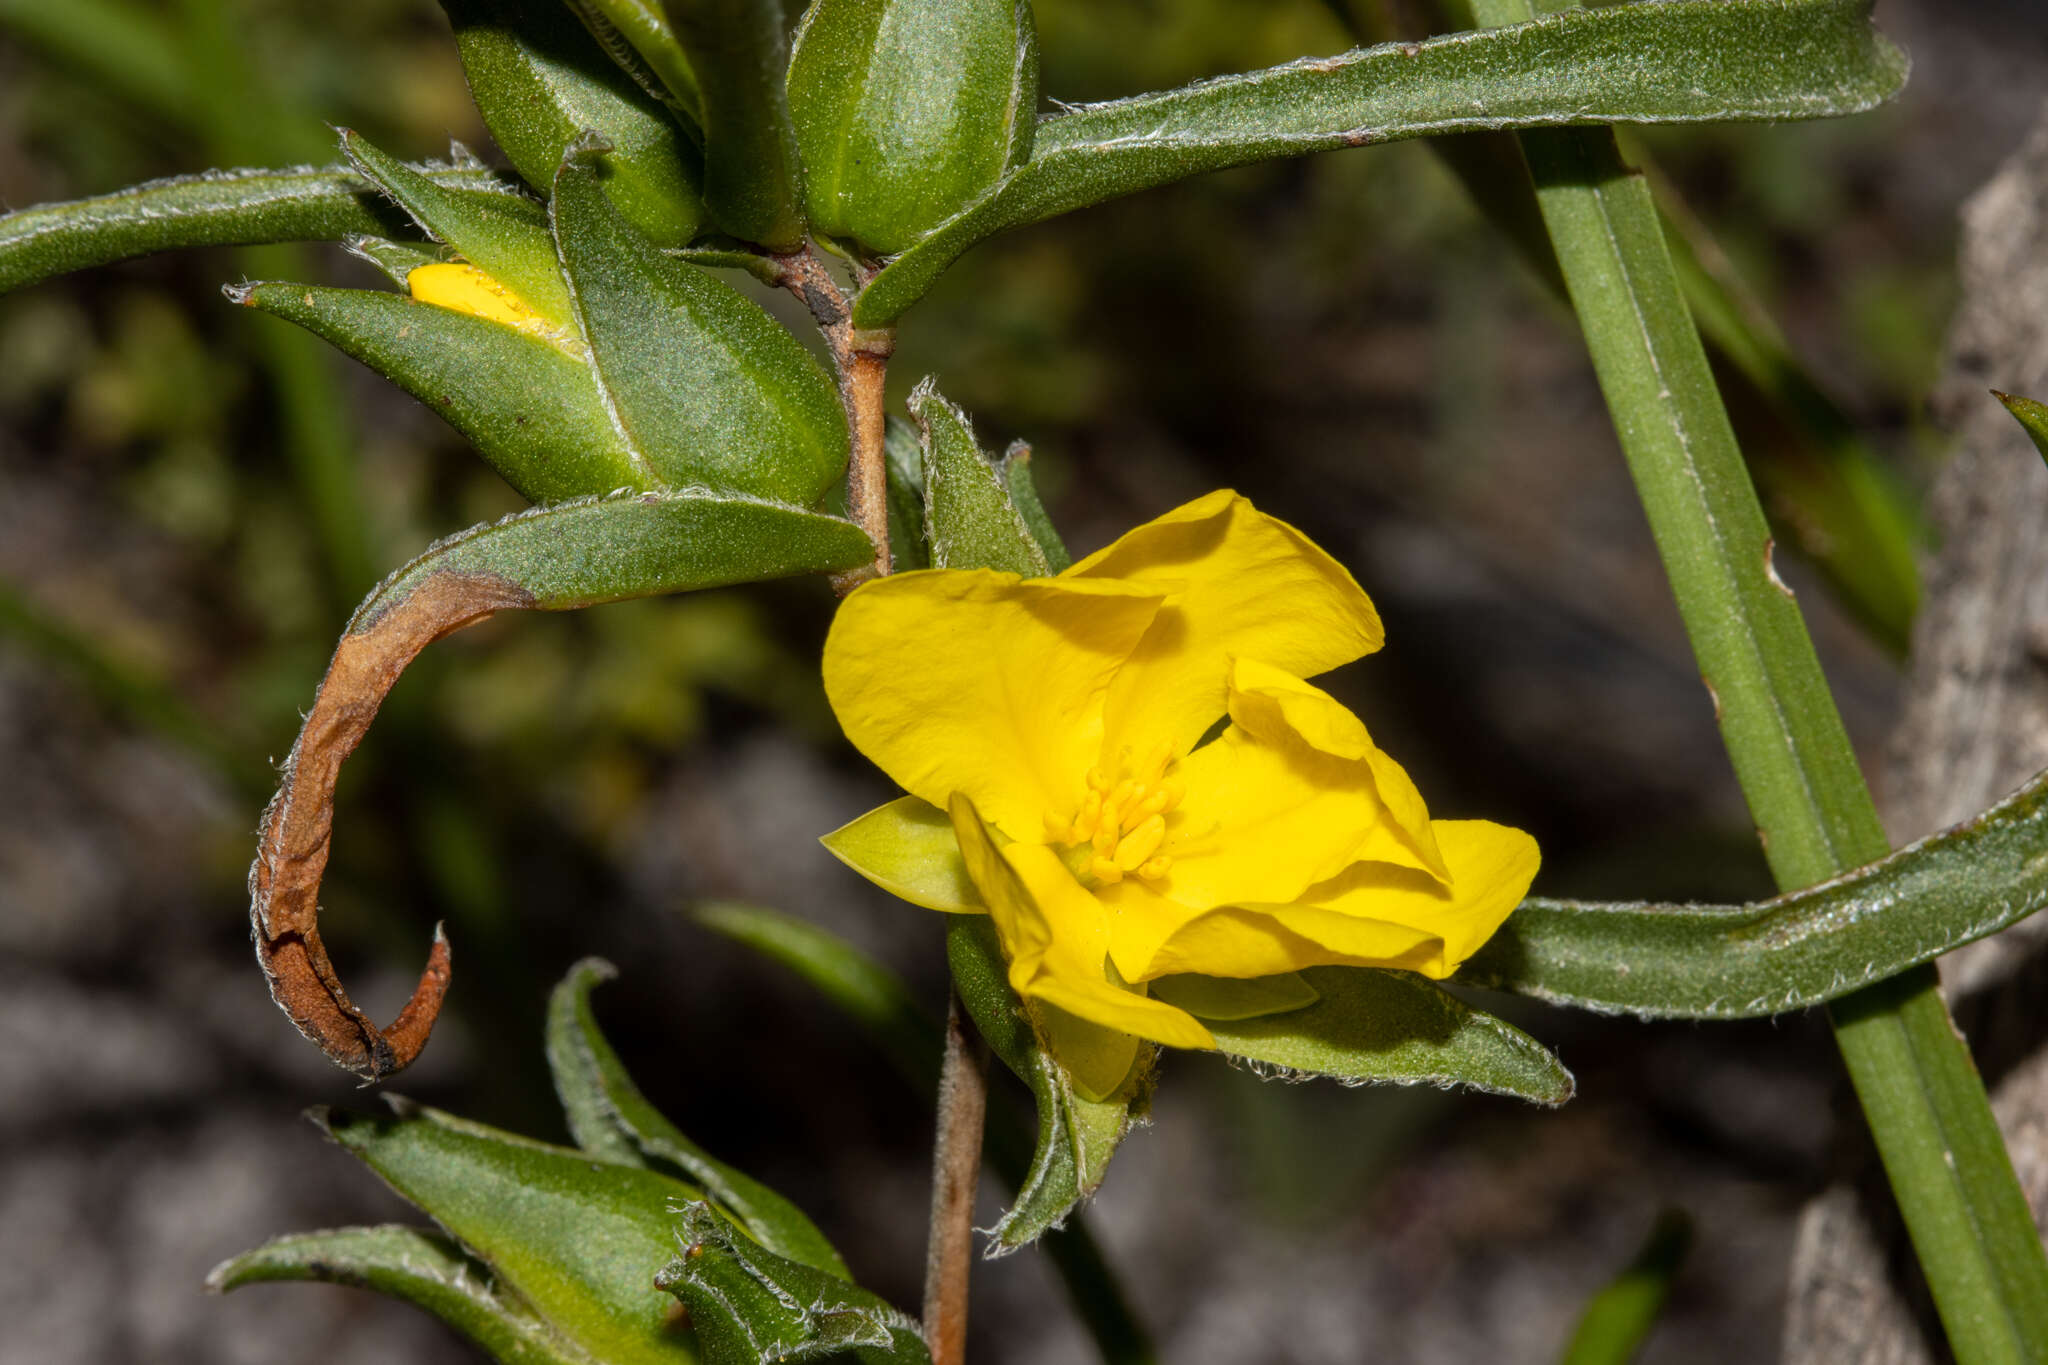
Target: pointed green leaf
column 1017, row 477
column 636, row 35
column 1372, row 1025
column 1805, row 948
column 751, row 175
column 426, row 1269
column 610, row 549
column 907, row 848
column 904, row 458
column 752, row 1307
column 1621, row 1316
column 579, row 1240
column 530, row 409
column 969, row 519
column 541, row 82
column 1680, row 61
column 218, row 208
column 397, row 259
column 706, row 386
column 1076, row 1136
column 505, row 237
column 2030, row 415
column 612, row 1119
column 1215, row 997
column 906, row 111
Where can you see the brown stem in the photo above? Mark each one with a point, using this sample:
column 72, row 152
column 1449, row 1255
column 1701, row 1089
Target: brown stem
column 862, row 360
column 956, row 1171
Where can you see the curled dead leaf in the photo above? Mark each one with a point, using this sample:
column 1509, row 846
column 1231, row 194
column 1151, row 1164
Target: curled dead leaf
column 298, row 827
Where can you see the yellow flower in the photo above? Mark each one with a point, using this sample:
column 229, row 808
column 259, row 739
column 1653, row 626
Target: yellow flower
column 462, row 288
column 1136, row 876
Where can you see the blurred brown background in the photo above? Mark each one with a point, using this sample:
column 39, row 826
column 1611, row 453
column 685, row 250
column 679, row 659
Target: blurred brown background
column 1342, row 338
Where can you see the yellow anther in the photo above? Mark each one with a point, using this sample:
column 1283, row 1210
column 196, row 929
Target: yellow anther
column 1121, row 796
column 1105, row 871
column 1141, row 843
column 1155, row 802
column 1173, row 787
column 1097, row 781
column 1152, row 869
column 1105, row 835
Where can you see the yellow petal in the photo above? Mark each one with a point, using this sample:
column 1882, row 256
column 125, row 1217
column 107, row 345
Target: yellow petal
column 1372, row 915
column 908, row 848
column 1242, row 583
column 1096, row 1059
column 465, row 289
column 1056, row 936
column 1274, row 705
column 978, row 682
column 1215, row 997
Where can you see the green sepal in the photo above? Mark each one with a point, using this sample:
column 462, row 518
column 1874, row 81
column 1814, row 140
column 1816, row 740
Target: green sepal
column 426, row 1269
column 904, row 458
column 1372, row 1025
column 1076, row 1136
column 610, row 1118
column 907, row 847
column 611, row 549
column 1640, row 63
column 530, row 409
column 541, row 81
column 2032, row 416
column 706, row 386
column 397, row 260
column 216, row 208
column 1023, row 486
column 752, row 175
column 579, row 1240
column 750, row 1306
column 503, row 236
column 636, row 35
column 1227, row 998
column 1804, row 948
column 969, row 520
column 906, row 111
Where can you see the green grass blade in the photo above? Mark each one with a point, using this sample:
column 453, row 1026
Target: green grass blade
column 1621, row 1315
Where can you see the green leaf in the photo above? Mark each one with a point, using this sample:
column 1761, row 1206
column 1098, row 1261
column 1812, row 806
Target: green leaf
column 1382, row 1026
column 1216, row 997
column 1789, row 952
column 1076, row 1136
column 530, row 409
column 397, row 259
column 751, row 172
column 1621, row 1316
column 1023, row 488
column 636, row 35
column 752, row 1307
column 908, row 848
column 503, row 236
column 610, row 549
column 904, row 457
column 426, row 1269
column 706, row 386
column 218, row 208
column 1681, row 61
column 969, row 519
column 541, row 82
column 579, row 1240
column 906, row 111
column 612, row 1119
column 2030, row 415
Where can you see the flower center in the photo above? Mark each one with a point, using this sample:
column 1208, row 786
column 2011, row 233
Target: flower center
column 1119, row 826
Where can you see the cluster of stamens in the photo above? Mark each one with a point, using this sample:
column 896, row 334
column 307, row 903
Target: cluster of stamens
column 1122, row 818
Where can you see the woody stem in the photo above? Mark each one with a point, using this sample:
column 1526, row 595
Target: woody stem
column 956, row 1171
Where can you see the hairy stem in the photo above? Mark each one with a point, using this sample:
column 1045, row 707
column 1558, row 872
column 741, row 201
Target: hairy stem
column 861, row 358
column 956, row 1172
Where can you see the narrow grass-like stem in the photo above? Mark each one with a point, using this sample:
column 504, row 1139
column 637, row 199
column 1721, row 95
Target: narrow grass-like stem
column 1926, row 1105
column 956, row 1172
